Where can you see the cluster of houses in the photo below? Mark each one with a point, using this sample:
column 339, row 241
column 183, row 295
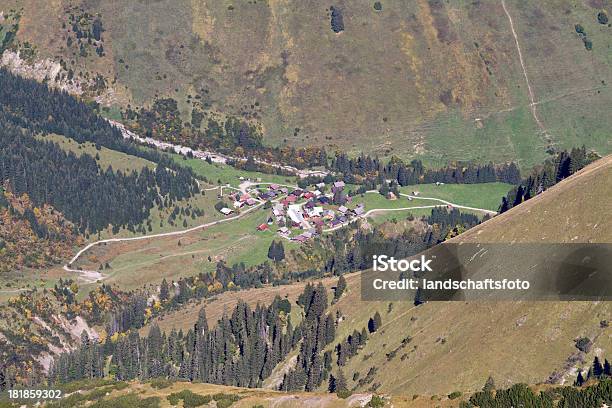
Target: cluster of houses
column 239, row 200
column 309, row 212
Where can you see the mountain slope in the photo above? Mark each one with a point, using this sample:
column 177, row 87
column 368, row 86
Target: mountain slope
column 576, row 209
column 431, row 79
column 456, row 345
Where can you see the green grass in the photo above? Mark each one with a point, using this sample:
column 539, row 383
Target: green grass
column 375, row 200
column 184, row 255
column 399, row 216
column 118, row 160
column 485, row 195
column 228, row 174
column 112, row 113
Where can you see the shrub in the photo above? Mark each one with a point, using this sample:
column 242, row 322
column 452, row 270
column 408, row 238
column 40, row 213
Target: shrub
column 377, row 6
column 584, row 344
column 337, row 22
column 128, row 401
column 225, row 400
column 284, row 306
column 344, row 394
column 160, row 383
column 454, row 395
column 219, row 205
column 190, row 399
column 376, row 402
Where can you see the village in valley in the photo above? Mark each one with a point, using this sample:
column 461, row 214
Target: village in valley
column 298, row 214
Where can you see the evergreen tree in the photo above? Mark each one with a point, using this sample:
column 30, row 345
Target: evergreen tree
column 332, row 386
column 579, row 380
column 489, row 385
column 374, row 323
column 164, row 290
column 598, row 369
column 340, row 382
column 340, row 287
column 276, row 251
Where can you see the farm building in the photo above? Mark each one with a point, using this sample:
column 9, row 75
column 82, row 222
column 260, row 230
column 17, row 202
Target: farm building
column 226, row 211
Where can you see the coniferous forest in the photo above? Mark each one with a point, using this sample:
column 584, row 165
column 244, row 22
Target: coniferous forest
column 91, row 197
column 372, row 171
column 563, row 165
column 242, row 349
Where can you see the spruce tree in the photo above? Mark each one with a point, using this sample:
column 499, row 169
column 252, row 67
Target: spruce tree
column 340, row 288
column 598, row 369
column 333, row 383
column 374, row 323
column 489, row 385
column 164, row 290
column 341, row 382
column 579, row 380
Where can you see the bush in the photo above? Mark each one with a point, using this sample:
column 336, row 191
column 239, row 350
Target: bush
column 602, row 17
column 344, row 394
column 219, row 205
column 584, row 344
column 160, row 383
column 377, row 6
column 454, row 395
column 376, row 402
column 337, row 22
column 284, row 306
column 81, row 385
column 225, row 400
column 190, row 399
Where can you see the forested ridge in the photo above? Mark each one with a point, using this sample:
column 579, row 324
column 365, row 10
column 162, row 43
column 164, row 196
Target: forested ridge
column 373, row 171
column 563, row 165
column 89, row 196
column 241, row 349
column 353, row 250
column 31, row 105
column 592, row 394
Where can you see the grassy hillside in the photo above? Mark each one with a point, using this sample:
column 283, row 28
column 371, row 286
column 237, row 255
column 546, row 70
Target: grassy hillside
column 426, row 79
column 457, row 345
column 575, row 210
column 485, row 195
column 106, row 157
column 172, row 257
